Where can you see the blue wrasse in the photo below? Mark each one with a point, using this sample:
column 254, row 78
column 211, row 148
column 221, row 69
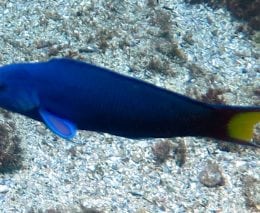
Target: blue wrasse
column 68, row 95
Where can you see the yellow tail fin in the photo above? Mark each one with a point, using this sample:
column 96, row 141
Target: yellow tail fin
column 241, row 126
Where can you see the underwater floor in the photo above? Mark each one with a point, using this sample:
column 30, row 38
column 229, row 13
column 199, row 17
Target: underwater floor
column 195, row 50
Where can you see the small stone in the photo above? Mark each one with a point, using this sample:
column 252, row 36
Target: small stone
column 41, row 130
column 211, row 176
column 141, row 210
column 252, row 192
column 161, row 150
column 4, row 188
column 180, row 153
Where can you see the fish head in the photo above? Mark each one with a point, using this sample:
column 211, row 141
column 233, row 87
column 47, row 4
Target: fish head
column 16, row 91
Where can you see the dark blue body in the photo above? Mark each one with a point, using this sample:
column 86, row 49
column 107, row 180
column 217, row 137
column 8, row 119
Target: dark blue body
column 100, row 100
column 68, row 95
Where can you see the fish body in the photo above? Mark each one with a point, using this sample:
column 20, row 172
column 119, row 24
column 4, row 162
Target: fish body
column 68, row 95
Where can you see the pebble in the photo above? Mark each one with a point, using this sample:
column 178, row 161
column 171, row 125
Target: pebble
column 40, row 129
column 252, row 192
column 4, row 188
column 211, row 176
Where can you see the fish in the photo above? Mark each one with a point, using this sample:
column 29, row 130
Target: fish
column 69, row 95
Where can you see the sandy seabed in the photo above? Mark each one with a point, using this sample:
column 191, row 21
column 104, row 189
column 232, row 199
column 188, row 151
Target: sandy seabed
column 185, row 48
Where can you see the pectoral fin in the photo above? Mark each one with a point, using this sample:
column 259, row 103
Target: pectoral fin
column 59, row 126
